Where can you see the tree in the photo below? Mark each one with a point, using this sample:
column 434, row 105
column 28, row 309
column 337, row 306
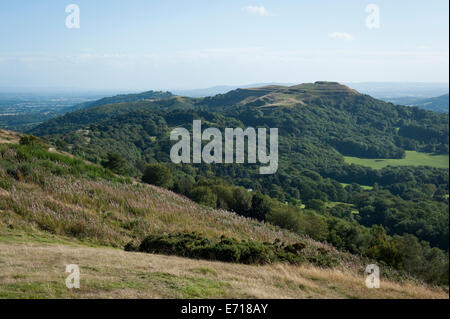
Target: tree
column 114, row 162
column 315, row 204
column 242, row 201
column 204, row 195
column 313, row 225
column 224, row 196
column 382, row 248
column 183, row 185
column 158, row 175
column 260, row 206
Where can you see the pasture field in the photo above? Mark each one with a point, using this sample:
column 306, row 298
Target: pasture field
column 412, row 158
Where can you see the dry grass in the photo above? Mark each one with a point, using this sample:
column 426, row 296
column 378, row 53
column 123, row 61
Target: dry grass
column 38, row 271
column 112, row 214
column 7, row 137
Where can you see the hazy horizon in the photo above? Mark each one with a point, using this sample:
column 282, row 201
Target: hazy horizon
column 179, row 45
column 426, row 89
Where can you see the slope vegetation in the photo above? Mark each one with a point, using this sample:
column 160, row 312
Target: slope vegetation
column 57, row 210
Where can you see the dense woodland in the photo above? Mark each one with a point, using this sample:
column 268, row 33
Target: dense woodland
column 400, row 220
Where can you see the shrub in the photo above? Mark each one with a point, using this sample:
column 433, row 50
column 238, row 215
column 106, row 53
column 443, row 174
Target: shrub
column 226, row 249
column 132, row 246
column 31, row 140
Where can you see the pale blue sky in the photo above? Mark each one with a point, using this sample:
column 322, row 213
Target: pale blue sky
column 149, row 44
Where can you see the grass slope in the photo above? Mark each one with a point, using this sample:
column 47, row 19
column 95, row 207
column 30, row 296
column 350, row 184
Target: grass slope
column 30, row 270
column 106, row 212
column 412, row 159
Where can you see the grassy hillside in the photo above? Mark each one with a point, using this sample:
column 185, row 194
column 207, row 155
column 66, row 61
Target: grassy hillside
column 56, row 209
column 44, row 191
column 48, row 191
column 412, row 158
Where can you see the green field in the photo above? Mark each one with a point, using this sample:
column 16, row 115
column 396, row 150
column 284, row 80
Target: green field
column 412, row 159
column 362, row 186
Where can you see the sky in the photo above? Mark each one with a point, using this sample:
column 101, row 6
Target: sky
column 164, row 44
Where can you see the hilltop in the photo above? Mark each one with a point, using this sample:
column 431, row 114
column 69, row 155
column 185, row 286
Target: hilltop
column 278, row 95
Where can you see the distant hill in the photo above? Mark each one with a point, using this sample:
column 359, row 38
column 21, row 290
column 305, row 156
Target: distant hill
column 221, row 89
column 122, row 98
column 438, row 104
column 381, row 90
column 21, row 111
column 389, row 90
